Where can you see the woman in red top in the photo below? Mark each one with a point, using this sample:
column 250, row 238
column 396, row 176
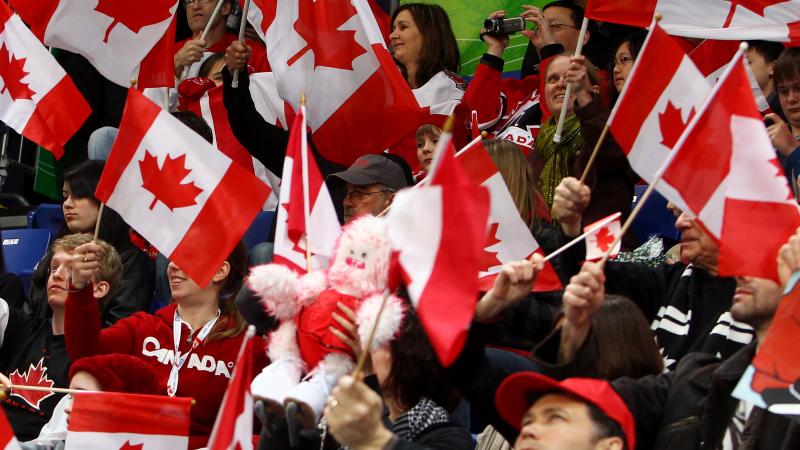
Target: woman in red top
column 192, row 343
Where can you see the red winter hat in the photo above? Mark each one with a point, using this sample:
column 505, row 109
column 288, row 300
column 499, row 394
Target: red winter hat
column 120, row 373
column 519, row 391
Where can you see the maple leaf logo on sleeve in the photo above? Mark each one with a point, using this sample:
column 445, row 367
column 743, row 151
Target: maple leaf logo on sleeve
column 34, row 376
column 672, row 125
column 166, row 182
column 756, row 6
column 318, row 23
column 134, row 15
column 12, row 71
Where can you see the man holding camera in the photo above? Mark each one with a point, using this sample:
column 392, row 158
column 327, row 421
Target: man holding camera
column 510, row 108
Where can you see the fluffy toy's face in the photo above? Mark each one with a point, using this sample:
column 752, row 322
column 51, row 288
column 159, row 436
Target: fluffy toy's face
column 361, row 259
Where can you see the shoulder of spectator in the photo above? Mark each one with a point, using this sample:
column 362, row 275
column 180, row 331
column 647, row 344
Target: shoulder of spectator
column 592, row 109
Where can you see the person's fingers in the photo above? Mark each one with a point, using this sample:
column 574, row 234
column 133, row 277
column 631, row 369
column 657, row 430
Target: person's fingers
column 348, row 325
column 348, row 312
column 774, row 118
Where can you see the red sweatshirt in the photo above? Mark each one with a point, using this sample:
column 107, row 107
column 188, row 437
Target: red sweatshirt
column 203, row 377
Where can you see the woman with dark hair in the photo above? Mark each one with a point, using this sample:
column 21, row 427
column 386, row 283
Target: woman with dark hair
column 625, row 55
column 81, row 211
column 192, row 343
column 416, row 391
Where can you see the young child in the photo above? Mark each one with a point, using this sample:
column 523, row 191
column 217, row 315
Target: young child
column 427, row 139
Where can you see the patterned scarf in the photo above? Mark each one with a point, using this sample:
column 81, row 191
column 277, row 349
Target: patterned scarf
column 424, row 414
column 558, row 157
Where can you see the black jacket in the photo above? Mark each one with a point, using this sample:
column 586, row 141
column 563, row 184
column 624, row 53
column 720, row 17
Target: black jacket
column 691, row 407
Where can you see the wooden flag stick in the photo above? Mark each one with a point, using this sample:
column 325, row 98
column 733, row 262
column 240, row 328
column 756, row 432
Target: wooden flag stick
column 97, row 224
column 242, row 26
column 22, row 387
column 568, row 93
column 362, row 358
column 304, row 173
column 213, row 19
column 594, row 154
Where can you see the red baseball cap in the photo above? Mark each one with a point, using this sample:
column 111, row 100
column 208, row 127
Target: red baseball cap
column 519, row 391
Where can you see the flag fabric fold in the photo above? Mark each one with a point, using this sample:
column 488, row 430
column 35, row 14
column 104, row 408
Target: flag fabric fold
column 128, row 421
column 7, row 439
column 306, row 215
column 508, row 237
column 188, row 199
column 439, row 251
column 727, row 175
column 234, row 425
column 122, row 40
column 37, row 98
column 771, row 20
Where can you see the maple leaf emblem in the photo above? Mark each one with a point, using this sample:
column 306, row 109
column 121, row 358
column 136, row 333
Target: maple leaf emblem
column 318, row 24
column 489, row 258
column 671, row 124
column 166, row 182
column 603, row 239
column 12, row 71
column 128, row 446
column 134, row 15
column 756, row 6
column 34, row 376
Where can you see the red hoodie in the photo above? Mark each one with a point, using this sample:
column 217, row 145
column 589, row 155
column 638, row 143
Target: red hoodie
column 204, row 376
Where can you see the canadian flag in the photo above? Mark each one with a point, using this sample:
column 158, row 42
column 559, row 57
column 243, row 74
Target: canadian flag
column 727, row 175
column 663, row 92
column 191, row 201
column 306, row 217
column 112, row 420
column 508, row 237
column 712, row 57
column 7, row 439
column 601, row 235
column 233, row 428
column 440, row 250
column 119, row 38
column 211, row 108
column 37, row 98
column 769, row 20
column 333, row 52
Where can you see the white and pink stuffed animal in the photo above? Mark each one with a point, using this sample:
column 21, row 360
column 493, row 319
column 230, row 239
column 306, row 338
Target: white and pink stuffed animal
column 306, row 358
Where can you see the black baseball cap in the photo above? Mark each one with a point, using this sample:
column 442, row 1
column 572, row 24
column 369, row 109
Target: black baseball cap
column 373, row 168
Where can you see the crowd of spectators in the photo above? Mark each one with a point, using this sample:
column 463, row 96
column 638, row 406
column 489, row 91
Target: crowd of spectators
column 629, row 355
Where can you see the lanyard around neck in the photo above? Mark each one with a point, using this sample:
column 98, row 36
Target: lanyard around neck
column 180, row 359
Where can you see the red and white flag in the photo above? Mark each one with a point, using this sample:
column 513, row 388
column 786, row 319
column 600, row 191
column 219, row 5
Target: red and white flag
column 727, row 175
column 333, row 52
column 508, row 237
column 603, row 234
column 210, row 107
column 306, row 217
column 7, row 439
column 712, row 57
column 440, row 249
column 188, row 199
column 769, row 20
column 122, row 40
column 663, row 92
column 128, row 421
column 233, row 428
column 37, row 98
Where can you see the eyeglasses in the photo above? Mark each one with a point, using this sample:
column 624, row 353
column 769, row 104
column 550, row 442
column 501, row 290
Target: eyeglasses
column 190, row 2
column 555, row 26
column 361, row 195
column 623, row 60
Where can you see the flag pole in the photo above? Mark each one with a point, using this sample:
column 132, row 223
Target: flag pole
column 242, row 26
column 568, row 93
column 362, row 357
column 213, row 18
column 304, row 167
column 594, row 153
column 97, row 224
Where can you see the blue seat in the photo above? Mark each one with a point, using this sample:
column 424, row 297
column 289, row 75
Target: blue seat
column 22, row 250
column 654, row 219
column 259, row 230
column 48, row 216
